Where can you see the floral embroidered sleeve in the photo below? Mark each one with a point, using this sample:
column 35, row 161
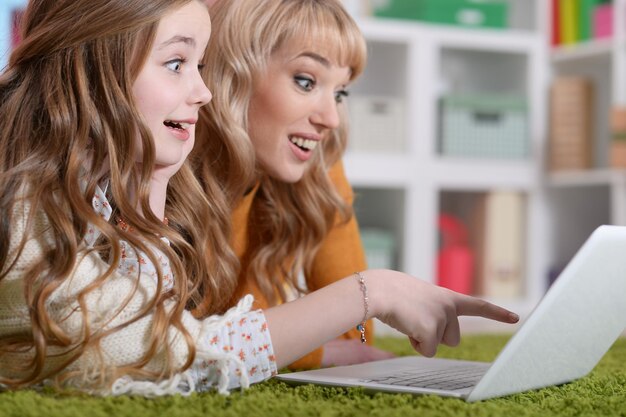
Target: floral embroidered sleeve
column 246, row 340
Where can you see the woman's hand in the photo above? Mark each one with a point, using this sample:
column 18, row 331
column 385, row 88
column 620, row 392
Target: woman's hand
column 427, row 313
column 339, row 352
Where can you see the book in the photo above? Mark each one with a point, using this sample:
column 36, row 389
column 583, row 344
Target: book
column 571, row 123
column 586, row 19
column 556, row 36
column 603, row 21
column 500, row 265
column 617, row 150
column 568, row 21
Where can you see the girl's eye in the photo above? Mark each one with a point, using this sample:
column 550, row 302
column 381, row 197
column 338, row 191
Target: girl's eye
column 304, row 83
column 340, row 95
column 175, row 64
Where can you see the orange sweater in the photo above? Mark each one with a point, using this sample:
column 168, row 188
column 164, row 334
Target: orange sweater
column 340, row 255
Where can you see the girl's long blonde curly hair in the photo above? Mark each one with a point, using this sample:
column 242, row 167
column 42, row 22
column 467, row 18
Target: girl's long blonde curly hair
column 289, row 221
column 68, row 123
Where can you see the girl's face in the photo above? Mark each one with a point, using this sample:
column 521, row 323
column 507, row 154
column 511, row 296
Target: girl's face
column 169, row 90
column 293, row 107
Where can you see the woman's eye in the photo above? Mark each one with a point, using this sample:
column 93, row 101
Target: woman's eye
column 175, row 64
column 304, row 83
column 340, row 95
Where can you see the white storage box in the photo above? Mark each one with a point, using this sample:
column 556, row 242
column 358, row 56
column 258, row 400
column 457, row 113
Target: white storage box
column 376, row 123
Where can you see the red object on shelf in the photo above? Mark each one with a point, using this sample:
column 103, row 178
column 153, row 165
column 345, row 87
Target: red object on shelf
column 455, row 261
column 555, row 23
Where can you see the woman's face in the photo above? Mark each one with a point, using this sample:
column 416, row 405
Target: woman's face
column 293, row 108
column 169, row 90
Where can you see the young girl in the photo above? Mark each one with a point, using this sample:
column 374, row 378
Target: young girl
column 106, row 245
column 100, row 213
column 281, row 73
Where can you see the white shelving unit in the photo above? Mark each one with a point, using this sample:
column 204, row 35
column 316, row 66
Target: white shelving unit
column 579, row 201
column 402, row 191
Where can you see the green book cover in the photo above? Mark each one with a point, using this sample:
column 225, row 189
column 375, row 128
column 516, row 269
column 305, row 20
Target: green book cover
column 585, row 18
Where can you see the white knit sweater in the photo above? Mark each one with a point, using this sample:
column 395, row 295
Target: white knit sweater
column 222, row 342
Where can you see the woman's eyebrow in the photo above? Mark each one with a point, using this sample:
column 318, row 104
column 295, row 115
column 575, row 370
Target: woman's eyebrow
column 317, row 57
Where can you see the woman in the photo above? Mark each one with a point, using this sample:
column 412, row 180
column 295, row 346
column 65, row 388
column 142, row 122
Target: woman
column 295, row 215
column 280, row 70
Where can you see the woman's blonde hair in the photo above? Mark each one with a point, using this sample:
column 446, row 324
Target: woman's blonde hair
column 288, row 221
column 68, row 123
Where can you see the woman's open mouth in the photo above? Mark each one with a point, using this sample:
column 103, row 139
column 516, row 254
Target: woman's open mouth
column 306, row 145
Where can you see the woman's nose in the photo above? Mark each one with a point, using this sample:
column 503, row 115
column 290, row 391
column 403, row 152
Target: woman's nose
column 327, row 113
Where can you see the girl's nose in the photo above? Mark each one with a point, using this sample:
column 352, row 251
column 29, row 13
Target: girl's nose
column 201, row 93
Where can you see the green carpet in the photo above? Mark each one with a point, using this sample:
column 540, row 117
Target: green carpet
column 602, row 393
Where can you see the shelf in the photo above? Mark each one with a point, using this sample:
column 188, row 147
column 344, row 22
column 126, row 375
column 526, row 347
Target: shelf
column 417, row 63
column 366, row 169
column 481, row 174
column 612, row 182
column 387, row 30
column 585, row 178
column 509, row 41
column 581, row 200
column 396, row 30
column 590, row 50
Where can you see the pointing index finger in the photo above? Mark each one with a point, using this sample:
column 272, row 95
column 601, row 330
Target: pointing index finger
column 471, row 306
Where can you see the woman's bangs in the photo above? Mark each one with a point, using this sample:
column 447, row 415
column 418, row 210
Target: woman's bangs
column 340, row 39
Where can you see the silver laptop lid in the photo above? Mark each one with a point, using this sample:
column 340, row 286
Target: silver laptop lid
column 574, row 325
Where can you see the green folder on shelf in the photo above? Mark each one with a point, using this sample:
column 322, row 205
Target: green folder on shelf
column 585, row 18
column 466, row 13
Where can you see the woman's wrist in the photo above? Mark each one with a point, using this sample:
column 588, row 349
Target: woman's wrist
column 376, row 291
column 366, row 305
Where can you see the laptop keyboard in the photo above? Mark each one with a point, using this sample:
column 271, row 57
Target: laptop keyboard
column 455, row 378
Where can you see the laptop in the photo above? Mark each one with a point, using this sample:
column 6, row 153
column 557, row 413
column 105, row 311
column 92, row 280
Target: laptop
column 564, row 337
